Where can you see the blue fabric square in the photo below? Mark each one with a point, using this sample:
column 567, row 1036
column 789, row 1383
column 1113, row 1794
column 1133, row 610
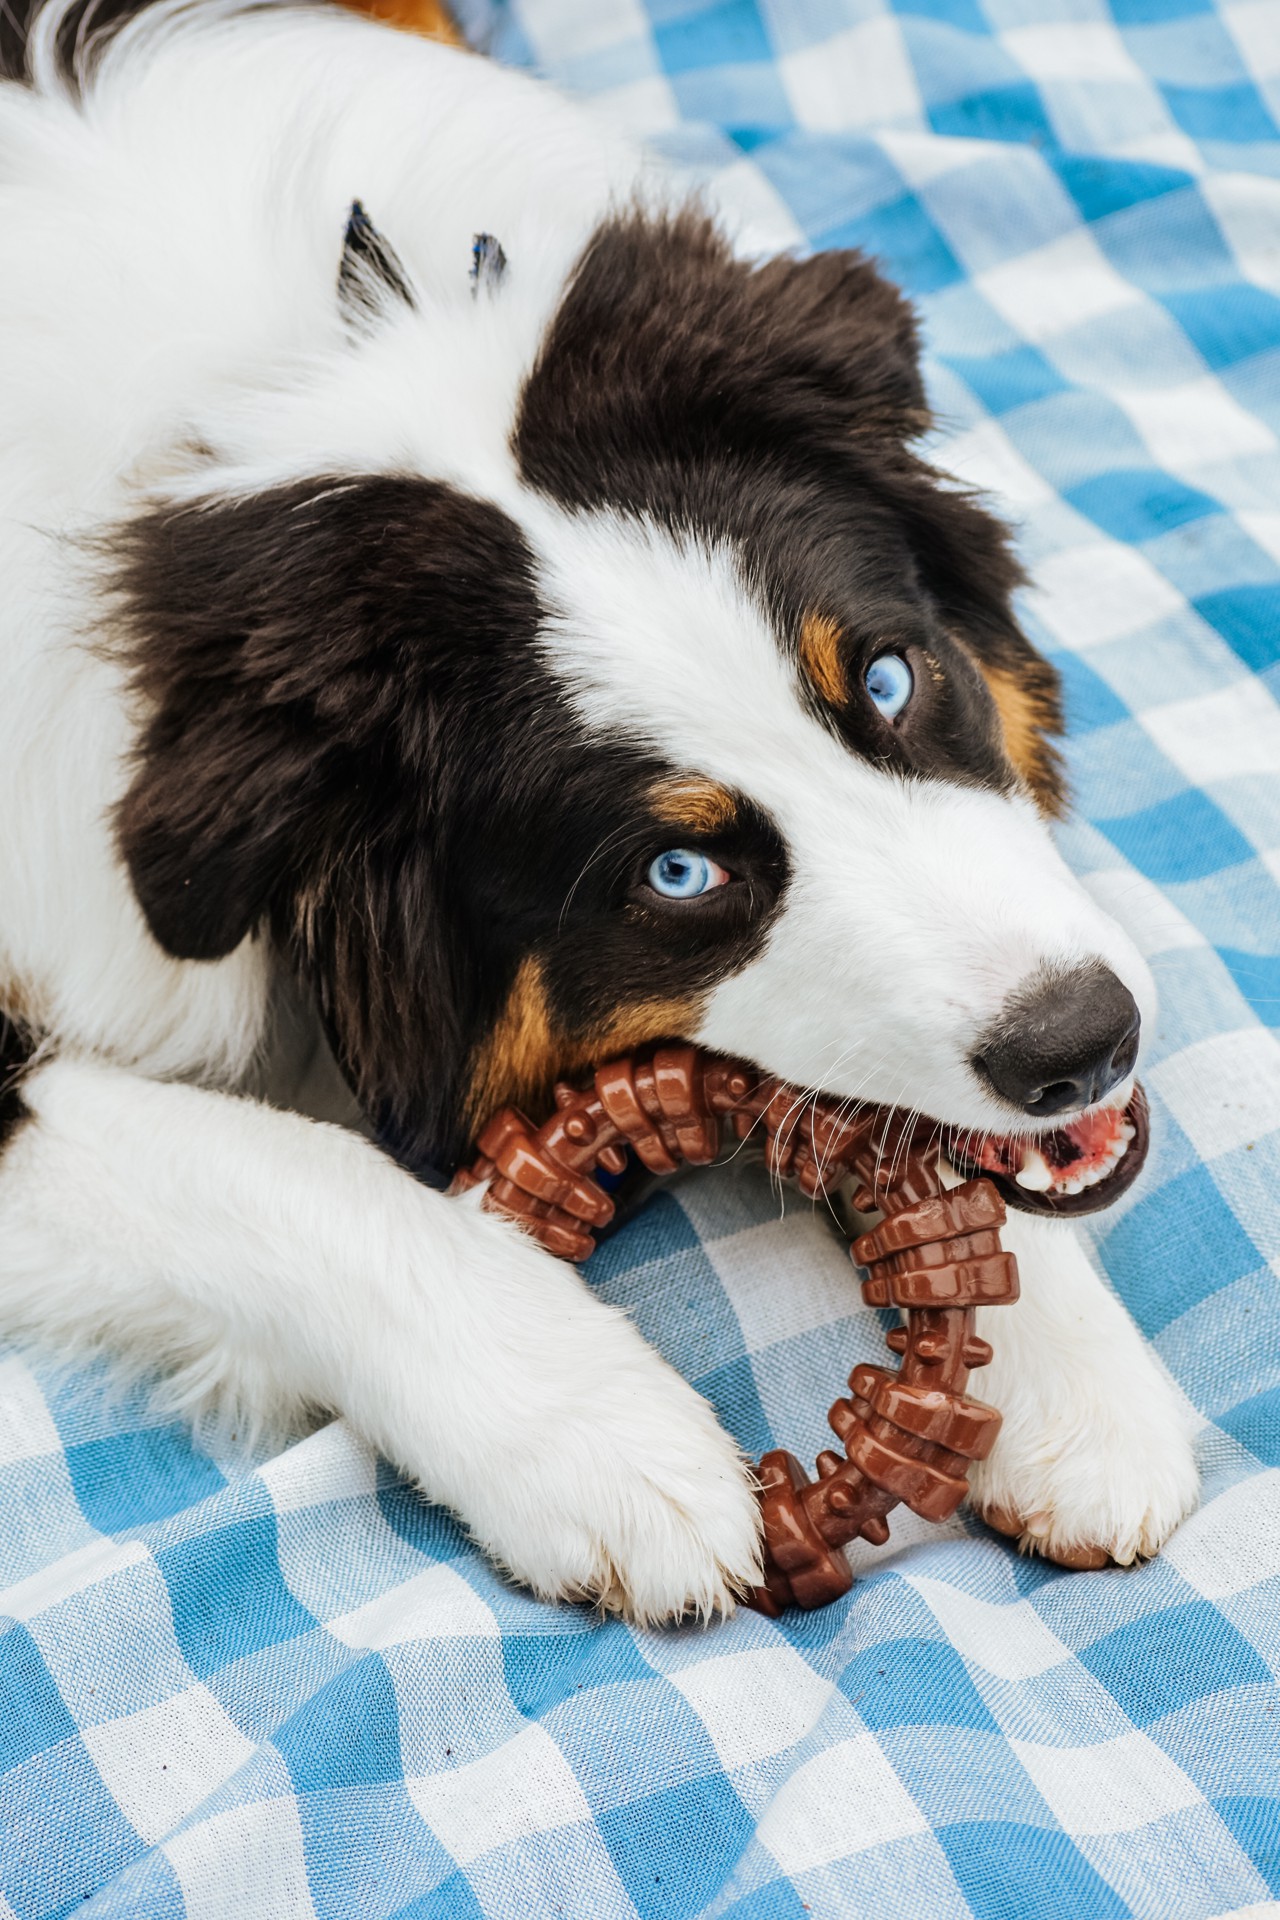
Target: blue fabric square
column 1253, row 1825
column 716, row 1827
column 1103, row 186
column 348, row 1733
column 134, row 1478
column 1256, row 1424
column 1227, row 324
column 998, row 1865
column 1168, row 1659
column 1235, row 114
column 1003, row 381
column 1248, row 618
column 1175, row 1247
column 543, row 1670
column 32, row 1714
column 228, row 1596
column 717, row 35
column 1179, row 839
column 903, row 239
column 904, row 1683
column 1134, row 504
column 1014, row 112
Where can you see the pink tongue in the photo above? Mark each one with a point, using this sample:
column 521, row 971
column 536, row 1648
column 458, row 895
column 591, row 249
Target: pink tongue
column 1093, row 1136
column 1090, row 1138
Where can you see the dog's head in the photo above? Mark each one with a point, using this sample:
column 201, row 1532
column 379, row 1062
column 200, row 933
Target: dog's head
column 699, row 710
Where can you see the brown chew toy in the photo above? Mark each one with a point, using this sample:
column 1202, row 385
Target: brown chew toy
column 909, row 1436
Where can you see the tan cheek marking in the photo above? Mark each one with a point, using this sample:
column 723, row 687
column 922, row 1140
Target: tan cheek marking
column 700, row 805
column 525, row 1054
column 430, row 17
column 821, row 659
column 1028, row 716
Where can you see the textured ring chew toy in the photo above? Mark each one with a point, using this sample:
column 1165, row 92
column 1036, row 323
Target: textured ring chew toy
column 908, row 1436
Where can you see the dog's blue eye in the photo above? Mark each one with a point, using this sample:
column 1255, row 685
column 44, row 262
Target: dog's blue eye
column 683, row 875
column 890, row 684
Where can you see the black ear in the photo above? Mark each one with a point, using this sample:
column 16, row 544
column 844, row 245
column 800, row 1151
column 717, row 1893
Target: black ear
column 370, row 276
column 670, row 356
column 304, row 661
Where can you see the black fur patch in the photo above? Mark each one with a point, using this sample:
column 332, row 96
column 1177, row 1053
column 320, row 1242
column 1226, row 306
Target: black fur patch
column 15, row 1055
column 352, row 738
column 772, row 408
column 370, row 275
column 85, row 30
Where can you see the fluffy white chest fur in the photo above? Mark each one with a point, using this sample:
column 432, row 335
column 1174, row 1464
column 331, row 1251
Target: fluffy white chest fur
column 367, row 657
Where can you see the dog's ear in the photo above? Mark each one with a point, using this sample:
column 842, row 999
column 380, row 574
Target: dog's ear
column 832, row 328
column 669, row 357
column 302, row 659
column 371, row 279
column 293, row 654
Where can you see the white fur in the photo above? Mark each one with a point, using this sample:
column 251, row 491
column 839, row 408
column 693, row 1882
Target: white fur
column 168, row 253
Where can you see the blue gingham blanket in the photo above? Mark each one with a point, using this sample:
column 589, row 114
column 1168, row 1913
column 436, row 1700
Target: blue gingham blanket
column 288, row 1688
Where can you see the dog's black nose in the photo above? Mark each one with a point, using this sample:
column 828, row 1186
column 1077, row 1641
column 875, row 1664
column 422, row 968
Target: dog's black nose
column 1062, row 1042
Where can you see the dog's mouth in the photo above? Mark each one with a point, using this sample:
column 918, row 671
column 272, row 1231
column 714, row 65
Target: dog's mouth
column 1078, row 1168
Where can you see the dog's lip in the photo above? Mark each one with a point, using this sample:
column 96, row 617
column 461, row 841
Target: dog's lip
column 1091, row 1199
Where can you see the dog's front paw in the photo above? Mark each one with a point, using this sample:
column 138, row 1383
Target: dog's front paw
column 1096, row 1482
column 637, row 1500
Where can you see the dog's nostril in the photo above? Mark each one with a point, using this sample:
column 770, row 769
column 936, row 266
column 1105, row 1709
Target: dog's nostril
column 1063, row 1041
column 1126, row 1054
column 1053, row 1098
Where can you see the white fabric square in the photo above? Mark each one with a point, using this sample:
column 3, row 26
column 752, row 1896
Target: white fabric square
column 754, row 1704
column 1234, row 1542
column 644, row 107
column 330, row 1464
column 1055, row 287
column 525, row 1786
column 1171, row 149
column 1112, row 1787
column 758, row 217
column 985, row 457
column 89, row 1564
column 1193, row 426
column 1071, row 50
column 1009, row 1640
column 584, row 25
column 1102, row 591
column 158, row 1765
column 27, row 1430
column 1219, row 735
column 1223, row 1091
column 1247, row 208
column 840, row 1802
column 821, row 1285
column 1262, row 526
column 1255, row 27
column 436, row 1604
column 861, row 77
column 249, row 1860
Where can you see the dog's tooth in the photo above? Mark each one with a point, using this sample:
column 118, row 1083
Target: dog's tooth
column 1035, row 1173
column 1127, row 1131
column 1072, row 1186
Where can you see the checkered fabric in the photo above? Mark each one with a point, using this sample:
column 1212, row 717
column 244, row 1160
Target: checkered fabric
column 290, row 1689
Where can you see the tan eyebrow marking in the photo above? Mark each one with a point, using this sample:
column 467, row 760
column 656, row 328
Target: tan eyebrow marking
column 1028, row 719
column 821, row 658
column 526, row 1053
column 691, row 801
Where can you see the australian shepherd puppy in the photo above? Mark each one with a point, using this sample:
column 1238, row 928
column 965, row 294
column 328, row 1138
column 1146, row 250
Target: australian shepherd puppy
column 458, row 621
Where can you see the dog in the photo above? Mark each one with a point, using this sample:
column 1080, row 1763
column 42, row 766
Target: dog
column 462, row 620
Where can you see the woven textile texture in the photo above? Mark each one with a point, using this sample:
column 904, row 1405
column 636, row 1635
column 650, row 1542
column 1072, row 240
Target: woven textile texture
column 288, row 1689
